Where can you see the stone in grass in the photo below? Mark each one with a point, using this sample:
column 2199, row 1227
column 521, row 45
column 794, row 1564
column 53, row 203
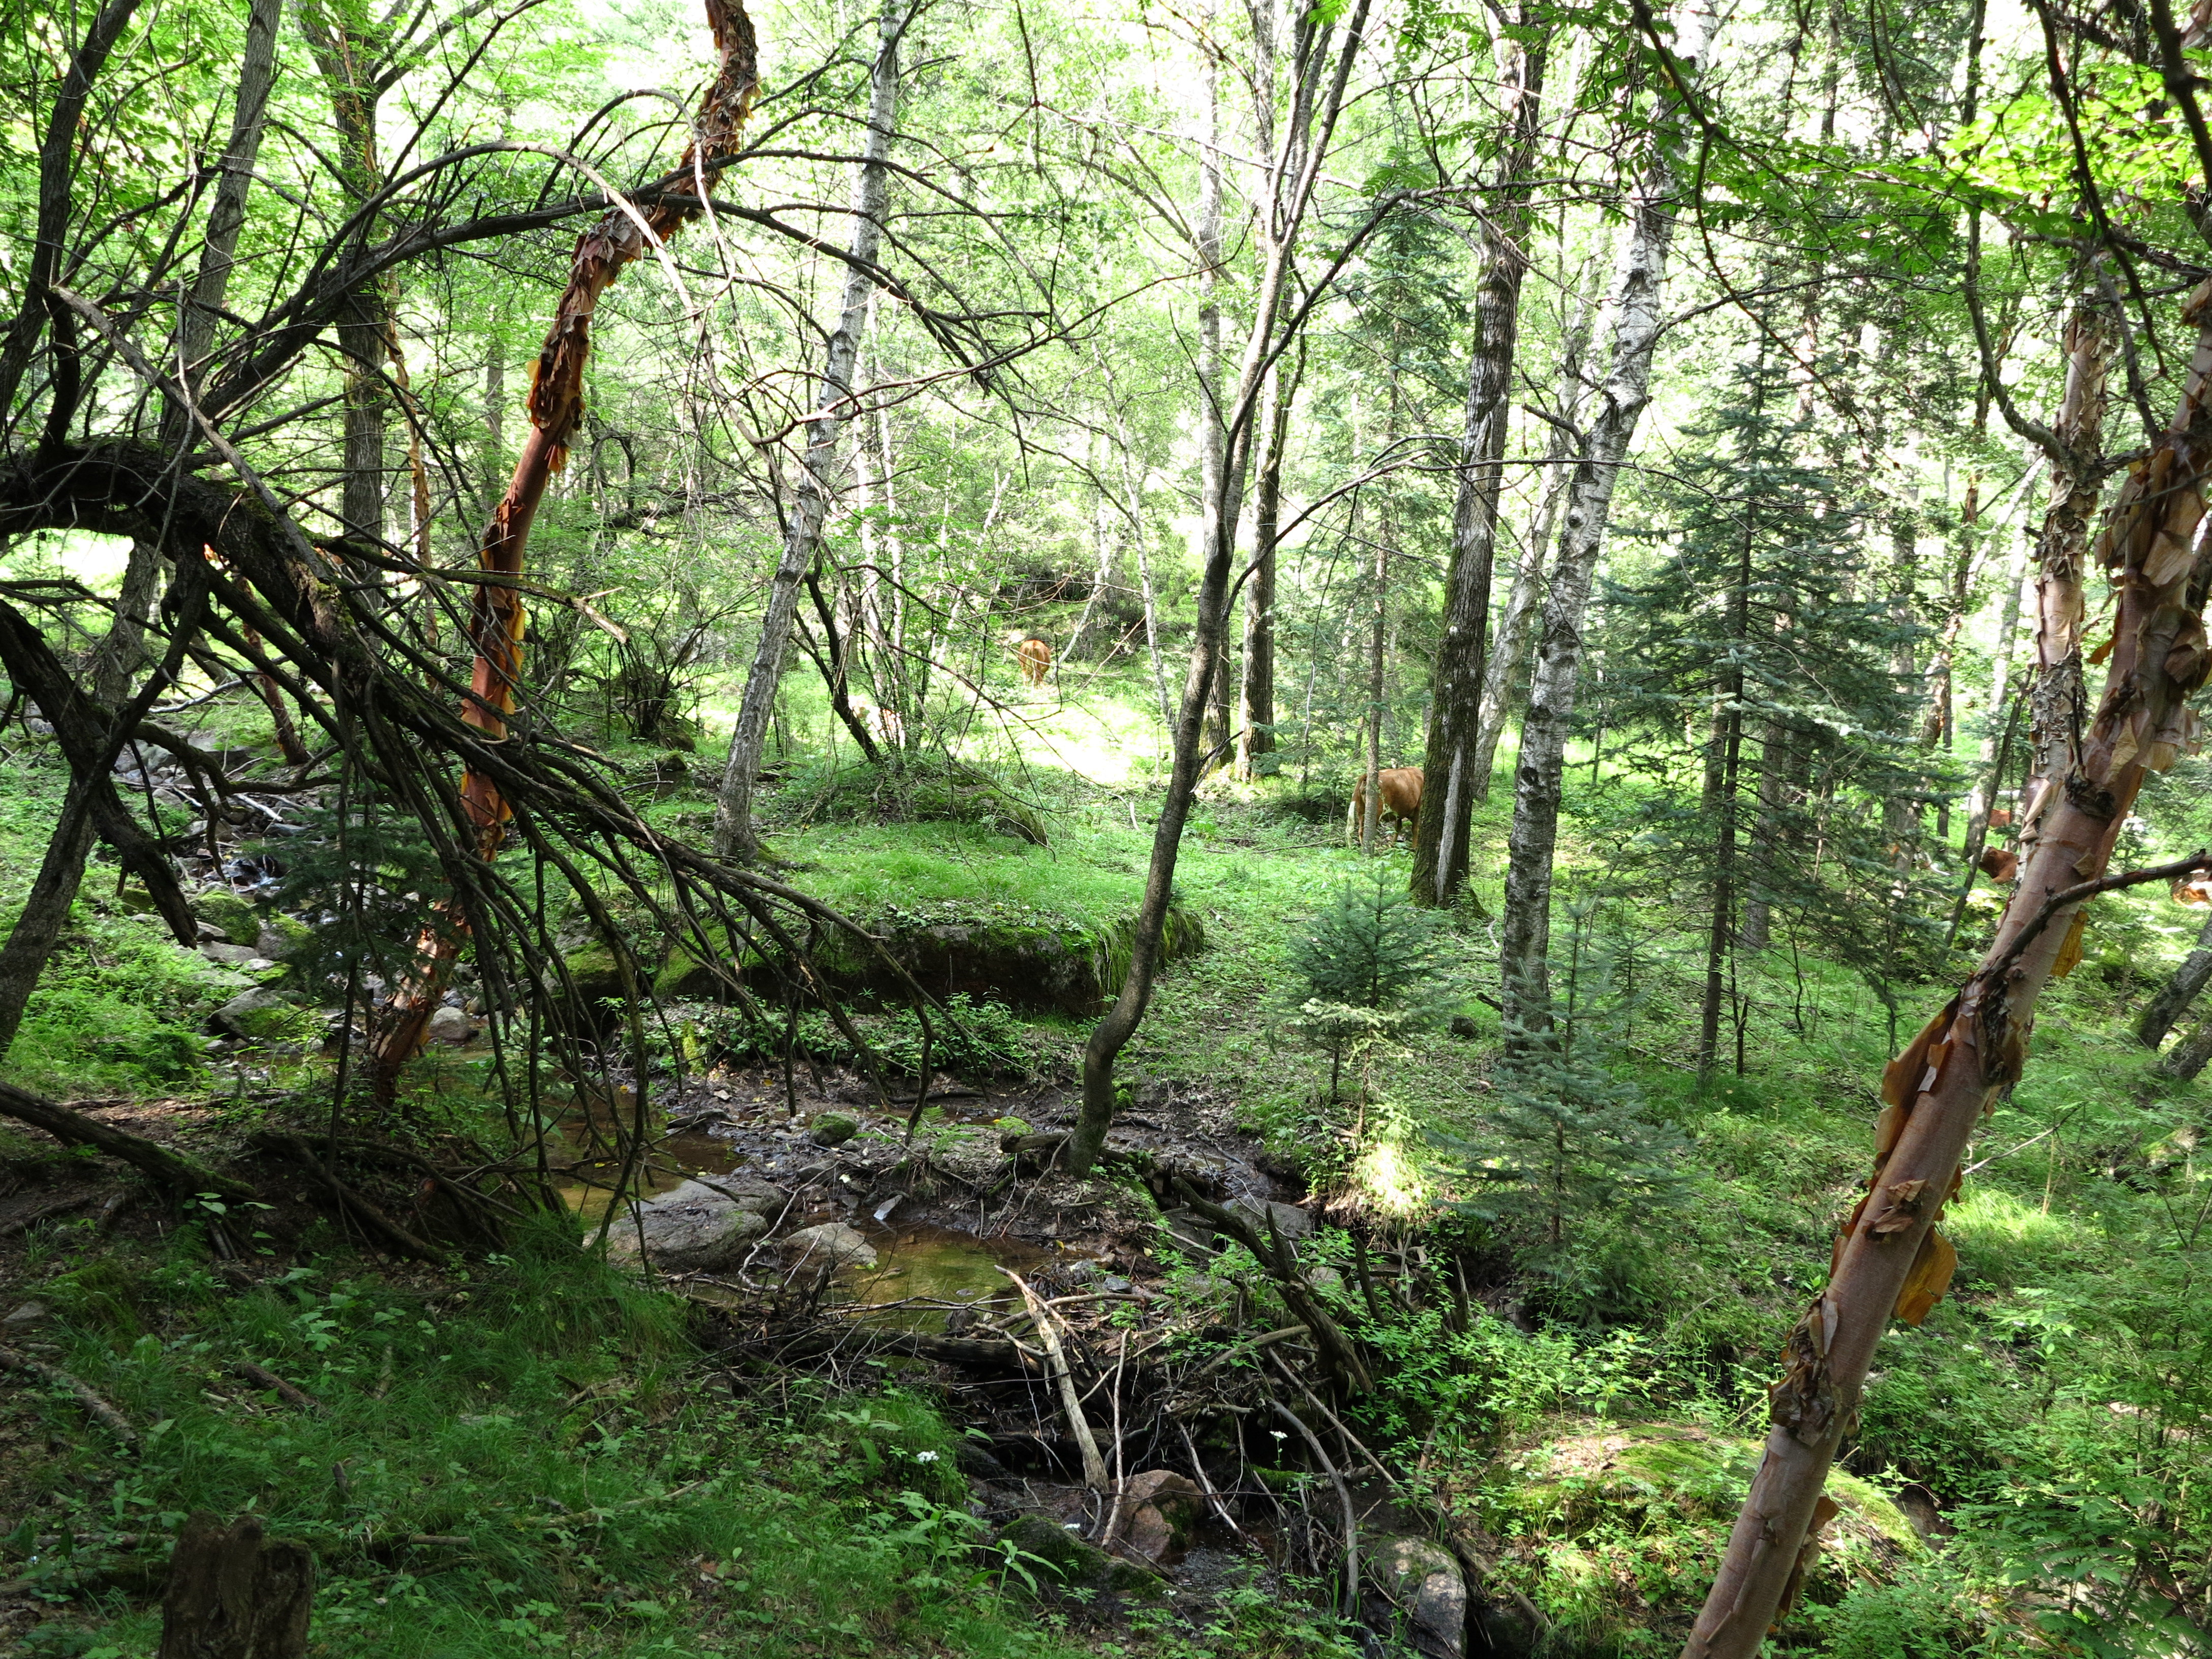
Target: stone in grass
column 1065, row 1557
column 831, row 1244
column 284, row 939
column 228, row 915
column 832, row 1129
column 1423, row 1582
column 1159, row 1508
column 453, row 1027
column 1292, row 1222
column 260, row 1015
column 690, row 1229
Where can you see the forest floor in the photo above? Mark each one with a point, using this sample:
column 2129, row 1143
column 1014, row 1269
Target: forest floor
column 528, row 1449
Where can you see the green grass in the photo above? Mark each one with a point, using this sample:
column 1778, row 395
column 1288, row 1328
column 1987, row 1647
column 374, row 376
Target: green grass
column 607, row 1493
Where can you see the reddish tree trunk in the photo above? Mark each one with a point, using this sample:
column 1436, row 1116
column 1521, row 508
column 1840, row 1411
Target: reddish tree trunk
column 557, row 409
column 1888, row 1258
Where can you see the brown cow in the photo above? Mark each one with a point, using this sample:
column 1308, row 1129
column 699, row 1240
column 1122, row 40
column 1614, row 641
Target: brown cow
column 1401, row 789
column 1999, row 864
column 1036, row 658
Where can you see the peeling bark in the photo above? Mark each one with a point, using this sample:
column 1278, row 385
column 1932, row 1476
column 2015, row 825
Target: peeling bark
column 1887, row 1258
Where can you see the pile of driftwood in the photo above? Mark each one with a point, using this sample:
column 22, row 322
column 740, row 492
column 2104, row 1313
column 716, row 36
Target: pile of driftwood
column 1080, row 1378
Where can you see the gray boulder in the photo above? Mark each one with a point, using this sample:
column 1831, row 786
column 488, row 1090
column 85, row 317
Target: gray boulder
column 1292, row 1222
column 260, row 1015
column 692, row 1229
column 762, row 1197
column 832, row 1129
column 1423, row 1579
column 832, row 1243
column 283, row 938
column 452, row 1026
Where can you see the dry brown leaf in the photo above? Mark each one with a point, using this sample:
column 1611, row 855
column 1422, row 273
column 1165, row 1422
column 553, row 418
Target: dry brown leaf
column 2069, row 953
column 2102, row 652
column 1929, row 1277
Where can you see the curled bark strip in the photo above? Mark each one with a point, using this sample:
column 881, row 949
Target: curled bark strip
column 98, row 1409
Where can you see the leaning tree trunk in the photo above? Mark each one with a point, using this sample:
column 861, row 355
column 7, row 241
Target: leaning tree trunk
column 1525, row 934
column 121, row 652
column 2175, row 996
column 1509, row 653
column 1887, row 1258
column 1440, row 835
column 555, row 407
column 1294, row 167
column 2057, row 702
column 735, row 835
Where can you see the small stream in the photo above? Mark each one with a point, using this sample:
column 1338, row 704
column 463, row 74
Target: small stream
column 920, row 1263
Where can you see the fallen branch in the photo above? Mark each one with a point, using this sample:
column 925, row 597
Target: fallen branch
column 47, row 1212
column 396, row 1238
column 1343, row 1497
column 150, row 1158
column 100, row 1411
column 1094, row 1466
column 261, row 1377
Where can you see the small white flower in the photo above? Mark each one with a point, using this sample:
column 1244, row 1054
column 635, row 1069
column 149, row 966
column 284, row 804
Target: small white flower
column 925, row 1457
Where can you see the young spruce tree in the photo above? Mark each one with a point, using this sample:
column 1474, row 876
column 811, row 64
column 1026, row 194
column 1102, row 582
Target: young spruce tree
column 1751, row 675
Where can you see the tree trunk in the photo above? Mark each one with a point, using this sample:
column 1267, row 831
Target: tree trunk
column 1256, row 701
column 1721, row 936
column 1525, row 934
column 234, row 1595
column 1212, row 455
column 2057, row 701
column 2185, row 1060
column 555, row 406
column 256, row 73
column 121, row 654
column 347, row 60
column 1295, row 165
column 1501, row 673
column 734, row 835
column 1441, row 830
column 2175, row 996
column 1887, row 1258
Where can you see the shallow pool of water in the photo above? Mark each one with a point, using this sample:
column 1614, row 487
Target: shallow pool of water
column 942, row 1266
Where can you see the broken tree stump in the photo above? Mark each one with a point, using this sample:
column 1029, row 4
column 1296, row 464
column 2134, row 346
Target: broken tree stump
column 234, row 1595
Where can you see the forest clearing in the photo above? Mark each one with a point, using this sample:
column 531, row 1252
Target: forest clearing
column 1165, row 832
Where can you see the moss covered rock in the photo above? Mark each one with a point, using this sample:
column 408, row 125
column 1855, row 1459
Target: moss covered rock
column 1024, row 957
column 228, row 915
column 1617, row 1530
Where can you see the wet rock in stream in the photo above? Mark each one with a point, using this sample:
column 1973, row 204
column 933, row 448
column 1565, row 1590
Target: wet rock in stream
column 831, row 1244
column 693, row 1227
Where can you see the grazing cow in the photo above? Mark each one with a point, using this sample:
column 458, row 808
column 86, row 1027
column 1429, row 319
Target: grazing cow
column 2193, row 891
column 1035, row 658
column 1999, row 864
column 1401, row 789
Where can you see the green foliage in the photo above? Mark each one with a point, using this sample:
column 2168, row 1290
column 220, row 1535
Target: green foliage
column 120, row 1008
column 550, row 1413
column 913, row 787
column 1574, row 1165
column 1367, row 969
